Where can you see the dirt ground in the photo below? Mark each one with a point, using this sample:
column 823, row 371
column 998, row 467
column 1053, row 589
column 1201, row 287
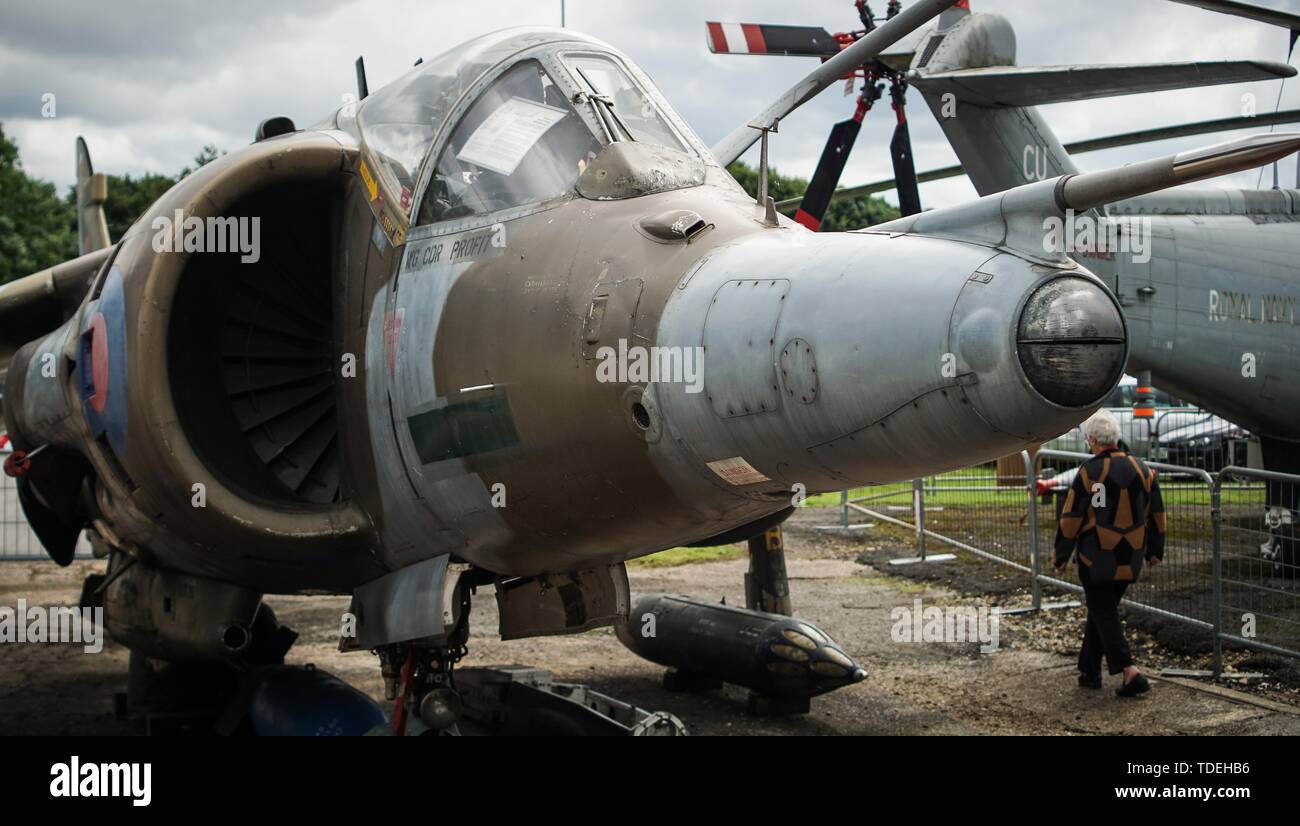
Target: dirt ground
column 1027, row 686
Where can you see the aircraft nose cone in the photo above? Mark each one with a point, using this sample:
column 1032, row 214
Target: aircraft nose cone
column 1071, row 341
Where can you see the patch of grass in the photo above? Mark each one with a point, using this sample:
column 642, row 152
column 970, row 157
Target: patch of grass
column 946, row 489
column 673, row 557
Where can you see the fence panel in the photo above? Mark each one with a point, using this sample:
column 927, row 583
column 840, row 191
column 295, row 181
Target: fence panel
column 1183, row 586
column 1260, row 592
column 1232, row 549
column 975, row 509
column 17, row 541
column 16, row 538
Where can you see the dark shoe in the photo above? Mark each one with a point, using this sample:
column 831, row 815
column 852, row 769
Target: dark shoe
column 1089, row 680
column 1134, row 687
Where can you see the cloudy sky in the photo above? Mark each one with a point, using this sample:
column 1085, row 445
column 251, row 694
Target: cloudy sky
column 148, row 84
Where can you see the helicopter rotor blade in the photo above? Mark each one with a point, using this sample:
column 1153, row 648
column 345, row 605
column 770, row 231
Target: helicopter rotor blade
column 863, row 51
column 817, row 197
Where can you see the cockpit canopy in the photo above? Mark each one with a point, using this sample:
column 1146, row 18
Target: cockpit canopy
column 532, row 108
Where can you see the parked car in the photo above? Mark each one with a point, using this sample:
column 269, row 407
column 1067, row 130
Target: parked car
column 1134, row 432
column 1211, row 444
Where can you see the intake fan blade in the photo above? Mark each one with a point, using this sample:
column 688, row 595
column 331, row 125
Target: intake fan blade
column 278, row 361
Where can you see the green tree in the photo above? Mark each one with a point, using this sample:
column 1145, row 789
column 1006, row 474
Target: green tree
column 851, row 213
column 779, row 186
column 37, row 228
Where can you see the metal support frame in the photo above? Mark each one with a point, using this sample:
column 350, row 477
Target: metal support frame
column 844, row 524
column 767, row 585
column 918, row 518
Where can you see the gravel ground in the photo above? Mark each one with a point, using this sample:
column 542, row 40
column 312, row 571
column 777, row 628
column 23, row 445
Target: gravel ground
column 840, row 583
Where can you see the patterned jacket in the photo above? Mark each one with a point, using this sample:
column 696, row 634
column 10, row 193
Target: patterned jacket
column 1114, row 517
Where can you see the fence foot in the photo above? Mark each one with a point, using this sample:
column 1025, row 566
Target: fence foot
column 1029, row 609
column 859, row 526
column 1238, row 677
column 912, row 560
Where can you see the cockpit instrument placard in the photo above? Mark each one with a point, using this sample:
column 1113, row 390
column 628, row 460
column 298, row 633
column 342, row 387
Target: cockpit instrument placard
column 502, row 140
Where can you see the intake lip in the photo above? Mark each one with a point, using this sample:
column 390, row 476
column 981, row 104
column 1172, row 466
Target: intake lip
column 1072, row 341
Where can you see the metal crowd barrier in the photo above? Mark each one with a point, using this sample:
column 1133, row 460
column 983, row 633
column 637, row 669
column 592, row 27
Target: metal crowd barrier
column 1231, row 563
column 17, row 541
column 16, row 538
column 1257, row 570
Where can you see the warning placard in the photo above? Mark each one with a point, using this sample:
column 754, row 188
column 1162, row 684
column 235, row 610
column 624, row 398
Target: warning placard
column 501, row 142
column 736, row 471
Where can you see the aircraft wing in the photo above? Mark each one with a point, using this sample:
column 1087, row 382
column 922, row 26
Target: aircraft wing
column 1272, row 17
column 1038, row 85
column 36, row 304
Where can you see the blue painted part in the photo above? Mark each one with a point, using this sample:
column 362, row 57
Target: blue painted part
column 303, row 701
column 113, row 419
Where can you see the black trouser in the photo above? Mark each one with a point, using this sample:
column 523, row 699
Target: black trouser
column 1103, row 633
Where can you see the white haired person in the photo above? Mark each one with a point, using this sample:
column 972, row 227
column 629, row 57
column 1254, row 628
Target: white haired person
column 1113, row 521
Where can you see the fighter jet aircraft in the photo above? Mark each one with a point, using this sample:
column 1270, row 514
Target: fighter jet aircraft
column 507, row 322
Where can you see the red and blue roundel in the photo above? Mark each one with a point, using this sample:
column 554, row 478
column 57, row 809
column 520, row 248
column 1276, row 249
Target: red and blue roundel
column 101, row 370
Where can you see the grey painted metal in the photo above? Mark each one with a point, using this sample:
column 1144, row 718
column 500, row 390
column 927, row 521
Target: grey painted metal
column 1095, row 189
column 1216, row 513
column 875, row 410
column 1273, row 17
column 977, row 41
column 1162, row 133
column 1036, row 590
column 1014, row 219
column 1041, row 85
column 918, row 503
column 1212, row 291
column 832, row 71
column 410, row 603
column 1025, row 148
